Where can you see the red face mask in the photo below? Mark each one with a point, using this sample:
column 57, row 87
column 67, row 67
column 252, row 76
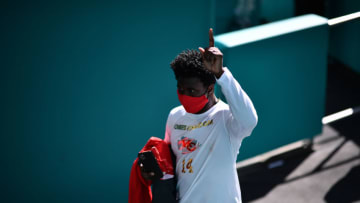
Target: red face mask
column 192, row 104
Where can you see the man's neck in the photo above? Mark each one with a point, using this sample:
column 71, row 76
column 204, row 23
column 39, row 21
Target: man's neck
column 212, row 101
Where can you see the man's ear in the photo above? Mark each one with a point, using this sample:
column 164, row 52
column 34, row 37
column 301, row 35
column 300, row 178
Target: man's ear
column 211, row 89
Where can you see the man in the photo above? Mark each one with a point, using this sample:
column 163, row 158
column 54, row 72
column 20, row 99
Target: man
column 204, row 133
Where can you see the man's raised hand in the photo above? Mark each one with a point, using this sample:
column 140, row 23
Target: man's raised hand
column 212, row 57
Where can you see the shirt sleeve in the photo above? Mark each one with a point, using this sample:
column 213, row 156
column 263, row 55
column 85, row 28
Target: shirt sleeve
column 242, row 118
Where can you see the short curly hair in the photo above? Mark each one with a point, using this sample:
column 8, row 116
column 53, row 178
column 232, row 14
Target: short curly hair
column 189, row 64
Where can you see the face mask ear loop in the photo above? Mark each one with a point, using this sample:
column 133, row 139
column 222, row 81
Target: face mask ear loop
column 207, row 94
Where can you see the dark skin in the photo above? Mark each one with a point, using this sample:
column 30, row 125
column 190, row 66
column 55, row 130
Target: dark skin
column 212, row 57
column 195, row 88
column 213, row 61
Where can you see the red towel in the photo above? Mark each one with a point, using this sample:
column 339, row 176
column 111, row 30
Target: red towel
column 139, row 188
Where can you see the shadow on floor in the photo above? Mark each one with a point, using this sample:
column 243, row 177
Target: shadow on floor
column 261, row 182
column 345, row 190
column 343, row 91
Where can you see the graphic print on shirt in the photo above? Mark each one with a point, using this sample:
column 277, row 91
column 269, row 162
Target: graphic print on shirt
column 193, row 127
column 187, row 145
column 188, row 166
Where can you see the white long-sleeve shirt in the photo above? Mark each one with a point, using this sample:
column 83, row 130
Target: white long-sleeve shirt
column 206, row 145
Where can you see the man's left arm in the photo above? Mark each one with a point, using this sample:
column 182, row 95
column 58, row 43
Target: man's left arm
column 243, row 115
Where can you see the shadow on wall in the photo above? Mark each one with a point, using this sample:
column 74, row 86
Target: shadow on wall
column 342, row 91
column 343, row 84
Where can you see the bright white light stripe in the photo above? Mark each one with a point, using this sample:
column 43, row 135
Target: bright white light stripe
column 343, row 19
column 337, row 116
column 260, row 32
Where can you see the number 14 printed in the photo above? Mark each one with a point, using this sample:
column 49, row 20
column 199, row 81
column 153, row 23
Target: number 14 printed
column 188, row 166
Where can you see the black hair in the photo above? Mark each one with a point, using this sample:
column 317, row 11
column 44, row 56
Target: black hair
column 189, row 64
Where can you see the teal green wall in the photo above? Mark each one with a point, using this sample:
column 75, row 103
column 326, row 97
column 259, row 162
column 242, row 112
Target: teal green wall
column 84, row 84
column 282, row 67
column 274, row 10
column 268, row 10
column 224, row 11
column 344, row 42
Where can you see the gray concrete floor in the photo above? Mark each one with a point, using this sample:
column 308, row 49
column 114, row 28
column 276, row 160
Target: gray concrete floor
column 330, row 172
column 320, row 176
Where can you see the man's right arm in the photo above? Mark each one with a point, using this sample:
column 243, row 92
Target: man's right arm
column 148, row 175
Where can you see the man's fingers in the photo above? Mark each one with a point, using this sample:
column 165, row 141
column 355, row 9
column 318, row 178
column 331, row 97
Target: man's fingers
column 211, row 38
column 202, row 50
